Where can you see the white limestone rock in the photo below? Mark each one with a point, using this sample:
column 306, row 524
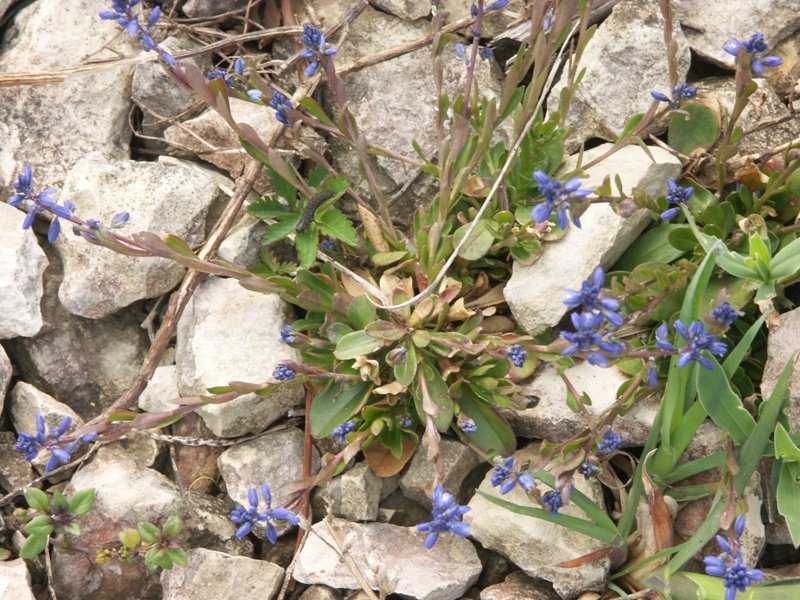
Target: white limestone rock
column 22, row 265
column 535, row 293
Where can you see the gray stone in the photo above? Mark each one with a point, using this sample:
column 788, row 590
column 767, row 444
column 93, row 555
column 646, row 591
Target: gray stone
column 536, row 546
column 85, row 363
column 162, row 100
column 394, row 555
column 535, row 293
column 220, row 576
column 781, row 344
column 552, row 420
column 15, row 580
column 624, row 60
column 51, row 127
column 6, row 371
column 15, row 471
column 519, row 585
column 405, row 9
column 160, row 199
column 162, row 388
column 22, row 264
column 709, row 25
column 228, row 333
column 243, row 244
column 354, row 495
column 195, row 9
column 320, row 592
column 275, row 459
column 459, row 462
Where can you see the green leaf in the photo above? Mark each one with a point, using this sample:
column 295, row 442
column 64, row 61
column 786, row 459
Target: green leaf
column 682, row 239
column 722, row 404
column 785, row 448
column 494, row 435
column 278, row 231
column 361, row 313
column 333, row 223
column 735, row 356
column 149, row 532
column 37, row 499
column 33, row 546
column 307, row 243
column 315, row 109
column 60, row 503
column 179, row 246
column 653, row 246
column 697, row 134
column 281, row 185
column 41, row 525
column 267, row 208
column 358, row 343
column 178, row 556
column 405, row 371
column 786, row 263
column 82, row 502
column 336, row 404
column 431, row 393
column 787, row 495
column 479, row 242
column 384, row 259
column 172, row 527
column 630, row 126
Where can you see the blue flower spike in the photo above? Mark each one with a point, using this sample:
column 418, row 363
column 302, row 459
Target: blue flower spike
column 755, row 47
column 341, row 431
column 316, row 48
column 446, row 517
column 611, row 442
column 248, row 517
column 284, row 111
column 122, row 12
column 44, row 201
column 558, row 197
column 680, row 93
column 729, row 565
column 587, row 337
column 698, row 339
column 676, row 195
column 506, row 477
column 517, row 355
column 552, row 501
column 283, row 373
column 725, row 314
column 589, row 297
column 54, row 440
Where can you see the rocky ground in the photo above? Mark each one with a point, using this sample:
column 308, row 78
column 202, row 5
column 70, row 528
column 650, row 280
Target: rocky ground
column 77, row 321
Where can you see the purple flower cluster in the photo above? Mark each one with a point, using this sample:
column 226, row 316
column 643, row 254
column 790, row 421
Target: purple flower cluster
column 680, row 93
column 676, row 195
column 558, row 197
column 730, row 564
column 725, row 313
column 552, row 501
column 44, row 201
column 341, row 431
column 446, row 517
column 755, row 47
column 314, row 40
column 122, row 12
column 284, row 111
column 517, row 355
column 283, row 373
column 589, row 297
column 61, row 447
column 588, row 337
column 611, row 442
column 287, row 335
column 248, row 517
column 698, row 340
column 508, row 478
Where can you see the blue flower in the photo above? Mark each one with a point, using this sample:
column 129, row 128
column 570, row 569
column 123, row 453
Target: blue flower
column 284, row 111
column 314, row 40
column 45, row 200
column 327, row 245
column 467, row 426
column 508, row 478
column 287, row 335
column 558, row 197
column 248, row 517
column 588, row 469
column 485, row 53
column 661, row 338
column 586, row 337
column 676, row 195
column 552, row 501
column 283, row 373
column 406, row 421
column 755, row 48
column 652, row 373
column 517, row 355
column 341, row 431
column 589, row 297
column 730, row 564
column 498, row 5
column 61, row 448
column 698, row 340
column 122, row 12
column 446, row 517
column 725, row 313
column 611, row 441
column 680, row 93
column 255, row 95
